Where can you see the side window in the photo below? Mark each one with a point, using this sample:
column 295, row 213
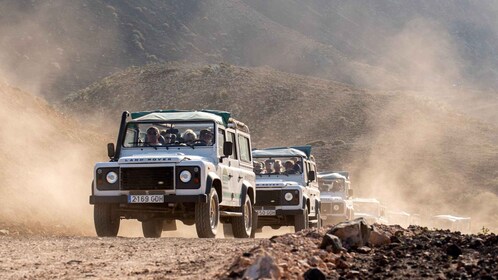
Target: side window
column 231, row 138
column 245, row 151
column 220, row 141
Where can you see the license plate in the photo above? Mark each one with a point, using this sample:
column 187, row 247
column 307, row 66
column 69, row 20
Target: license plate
column 266, row 212
column 149, row 198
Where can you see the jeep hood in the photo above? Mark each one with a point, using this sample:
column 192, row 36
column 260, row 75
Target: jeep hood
column 331, row 198
column 160, row 158
column 332, row 195
column 272, row 183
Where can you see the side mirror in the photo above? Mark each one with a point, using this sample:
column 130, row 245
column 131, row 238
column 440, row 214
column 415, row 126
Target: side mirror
column 227, row 149
column 110, row 150
column 350, row 192
column 311, row 175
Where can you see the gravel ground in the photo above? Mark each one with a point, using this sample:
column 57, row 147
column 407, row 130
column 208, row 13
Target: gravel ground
column 39, row 257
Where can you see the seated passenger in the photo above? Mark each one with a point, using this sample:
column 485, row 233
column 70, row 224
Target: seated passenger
column 206, row 137
column 278, row 166
column 289, row 167
column 297, row 165
column 189, row 137
column 169, row 138
column 153, row 136
column 258, row 167
column 268, row 167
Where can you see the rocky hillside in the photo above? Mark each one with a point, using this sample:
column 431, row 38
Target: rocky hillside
column 46, row 165
column 62, row 46
column 414, row 153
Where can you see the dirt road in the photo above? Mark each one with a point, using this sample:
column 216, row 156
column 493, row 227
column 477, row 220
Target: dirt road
column 37, row 257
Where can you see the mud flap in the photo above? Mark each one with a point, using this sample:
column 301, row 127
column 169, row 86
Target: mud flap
column 169, row 225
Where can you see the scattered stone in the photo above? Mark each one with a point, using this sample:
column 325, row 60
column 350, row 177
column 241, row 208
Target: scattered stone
column 332, row 243
column 378, row 238
column 4, row 232
column 453, row 250
column 314, row 274
column 364, row 250
column 353, row 234
column 264, row 267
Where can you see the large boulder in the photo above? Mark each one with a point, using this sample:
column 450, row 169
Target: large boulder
column 353, row 234
column 378, row 238
column 331, row 243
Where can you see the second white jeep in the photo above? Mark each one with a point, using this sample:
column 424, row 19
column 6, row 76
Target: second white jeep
column 335, row 194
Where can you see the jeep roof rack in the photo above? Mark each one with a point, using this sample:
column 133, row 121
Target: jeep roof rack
column 223, row 115
column 278, row 152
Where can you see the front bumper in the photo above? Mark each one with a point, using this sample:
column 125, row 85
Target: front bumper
column 281, row 212
column 167, row 198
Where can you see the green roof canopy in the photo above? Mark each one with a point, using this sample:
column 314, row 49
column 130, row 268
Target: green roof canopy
column 303, row 149
column 220, row 117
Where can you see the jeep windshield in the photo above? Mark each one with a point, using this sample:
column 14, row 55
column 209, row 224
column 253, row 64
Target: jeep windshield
column 167, row 134
column 336, row 185
column 277, row 166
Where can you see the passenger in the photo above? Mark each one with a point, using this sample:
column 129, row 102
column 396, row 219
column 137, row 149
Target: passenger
column 206, row 137
column 189, row 136
column 153, row 136
column 169, row 138
column 258, row 167
column 297, row 165
column 268, row 167
column 289, row 167
column 278, row 167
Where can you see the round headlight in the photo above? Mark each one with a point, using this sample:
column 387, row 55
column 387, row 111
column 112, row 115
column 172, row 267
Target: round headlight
column 288, row 196
column 185, row 176
column 336, row 207
column 111, row 177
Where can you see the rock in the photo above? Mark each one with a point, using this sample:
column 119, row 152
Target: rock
column 378, row 238
column 353, row 234
column 264, row 267
column 395, row 239
column 342, row 264
column 363, row 250
column 453, row 250
column 4, row 232
column 331, row 242
column 314, row 274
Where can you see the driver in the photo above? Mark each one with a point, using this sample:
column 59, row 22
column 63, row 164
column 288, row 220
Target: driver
column 153, row 136
column 206, row 137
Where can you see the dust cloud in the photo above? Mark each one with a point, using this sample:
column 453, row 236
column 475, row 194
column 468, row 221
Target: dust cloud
column 416, row 163
column 46, row 161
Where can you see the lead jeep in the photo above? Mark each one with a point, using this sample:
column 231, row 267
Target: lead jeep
column 197, row 170
column 286, row 188
column 335, row 196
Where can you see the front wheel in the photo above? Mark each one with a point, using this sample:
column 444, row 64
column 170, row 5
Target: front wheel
column 152, row 228
column 301, row 221
column 243, row 226
column 106, row 220
column 207, row 216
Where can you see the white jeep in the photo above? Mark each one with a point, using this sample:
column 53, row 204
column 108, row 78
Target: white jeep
column 191, row 166
column 335, row 195
column 286, row 188
column 371, row 209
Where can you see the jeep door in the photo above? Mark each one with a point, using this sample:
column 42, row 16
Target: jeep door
column 232, row 190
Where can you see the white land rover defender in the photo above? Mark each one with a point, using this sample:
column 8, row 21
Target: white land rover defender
column 286, row 188
column 192, row 166
column 335, row 195
column 371, row 209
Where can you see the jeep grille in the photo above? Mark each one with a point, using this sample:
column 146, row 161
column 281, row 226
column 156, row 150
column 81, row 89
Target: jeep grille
column 268, row 197
column 328, row 208
column 150, row 178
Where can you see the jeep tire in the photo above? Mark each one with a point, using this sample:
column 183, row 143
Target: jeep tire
column 301, row 221
column 242, row 227
column 207, row 216
column 106, row 219
column 152, row 228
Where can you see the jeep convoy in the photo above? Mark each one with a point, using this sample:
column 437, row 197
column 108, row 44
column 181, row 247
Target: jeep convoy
column 286, row 188
column 336, row 197
column 191, row 166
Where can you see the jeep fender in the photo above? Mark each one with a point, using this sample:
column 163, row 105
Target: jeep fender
column 246, row 188
column 306, row 201
column 213, row 180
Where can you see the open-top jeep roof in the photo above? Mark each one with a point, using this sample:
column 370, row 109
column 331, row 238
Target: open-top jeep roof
column 300, row 151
